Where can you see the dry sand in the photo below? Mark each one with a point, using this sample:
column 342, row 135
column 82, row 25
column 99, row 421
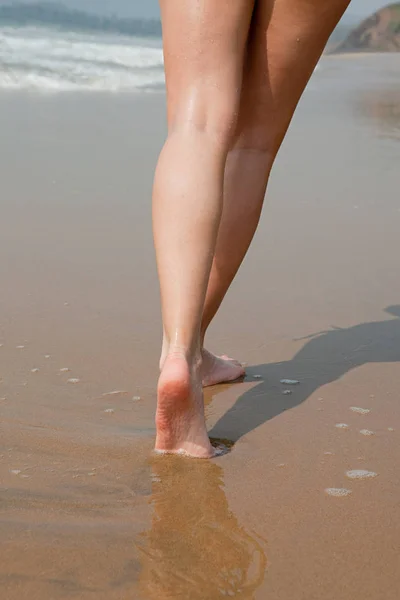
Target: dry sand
column 86, row 510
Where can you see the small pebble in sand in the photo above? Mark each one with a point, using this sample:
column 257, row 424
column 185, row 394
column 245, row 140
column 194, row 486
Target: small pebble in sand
column 360, row 411
column 290, row 381
column 360, row 474
column 337, row 492
column 136, row 398
column 47, row 356
column 281, row 465
column 390, row 429
column 20, row 347
column 66, row 303
column 65, row 370
column 341, row 426
column 287, row 392
column 34, row 370
column 92, row 474
column 329, row 453
column 73, row 380
column 366, row 432
column 1, row 345
column 25, row 476
column 116, row 393
column 15, row 471
column 257, row 376
column 109, row 410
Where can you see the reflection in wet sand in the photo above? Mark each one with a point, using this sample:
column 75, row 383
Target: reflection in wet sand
column 383, row 107
column 196, row 548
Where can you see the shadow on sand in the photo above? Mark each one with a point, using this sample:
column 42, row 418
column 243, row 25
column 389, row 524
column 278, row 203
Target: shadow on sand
column 326, row 357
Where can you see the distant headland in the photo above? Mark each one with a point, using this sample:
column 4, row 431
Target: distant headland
column 378, row 33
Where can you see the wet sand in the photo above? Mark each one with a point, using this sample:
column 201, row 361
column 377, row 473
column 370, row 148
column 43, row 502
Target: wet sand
column 86, row 510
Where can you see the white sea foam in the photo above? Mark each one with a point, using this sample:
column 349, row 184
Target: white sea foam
column 360, row 474
column 49, row 60
column 338, row 492
column 359, row 410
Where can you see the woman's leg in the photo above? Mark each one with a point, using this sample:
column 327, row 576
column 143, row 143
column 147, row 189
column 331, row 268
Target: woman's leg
column 204, row 43
column 286, row 41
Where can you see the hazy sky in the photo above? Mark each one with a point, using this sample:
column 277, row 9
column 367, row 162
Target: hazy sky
column 149, row 8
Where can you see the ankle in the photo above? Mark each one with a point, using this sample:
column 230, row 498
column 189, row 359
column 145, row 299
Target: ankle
column 192, row 357
column 203, row 332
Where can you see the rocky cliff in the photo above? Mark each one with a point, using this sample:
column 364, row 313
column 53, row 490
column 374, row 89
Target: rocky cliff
column 378, row 33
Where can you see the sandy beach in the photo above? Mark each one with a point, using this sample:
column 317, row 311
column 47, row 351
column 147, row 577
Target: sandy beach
column 87, row 511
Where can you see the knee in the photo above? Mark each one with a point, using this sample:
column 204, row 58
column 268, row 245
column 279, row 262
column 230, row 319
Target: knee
column 262, row 130
column 213, row 114
column 261, row 137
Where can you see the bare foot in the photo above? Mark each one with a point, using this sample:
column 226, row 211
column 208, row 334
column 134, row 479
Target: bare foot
column 220, row 369
column 180, row 421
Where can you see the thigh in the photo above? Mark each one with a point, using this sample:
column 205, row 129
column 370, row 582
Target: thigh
column 285, row 44
column 204, row 44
